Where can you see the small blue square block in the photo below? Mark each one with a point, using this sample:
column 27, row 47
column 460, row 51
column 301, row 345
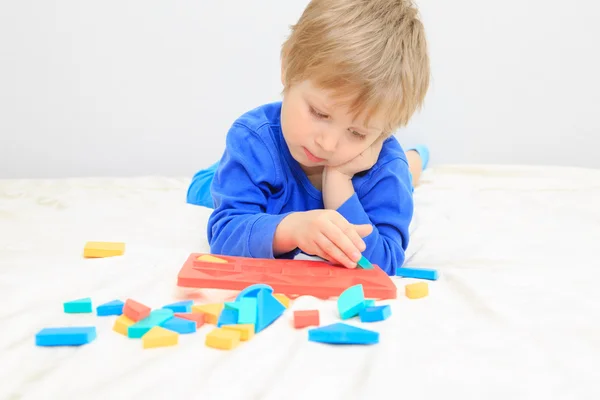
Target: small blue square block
column 181, row 306
column 65, row 336
column 114, row 307
column 375, row 314
column 180, row 325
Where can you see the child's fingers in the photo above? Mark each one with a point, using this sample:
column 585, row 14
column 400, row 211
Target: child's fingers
column 332, row 252
column 363, row 230
column 342, row 240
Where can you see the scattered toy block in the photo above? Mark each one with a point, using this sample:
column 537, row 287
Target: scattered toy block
column 122, row 324
column 364, row 263
column 114, row 307
column 304, row 318
column 156, row 318
column 135, row 311
column 197, row 317
column 78, row 306
column 224, row 339
column 212, row 259
column 65, row 336
column 181, row 306
column 159, row 337
column 416, row 290
column 268, row 309
column 180, row 325
column 252, row 291
column 341, row 333
column 351, row 301
column 229, row 316
column 211, row 312
column 417, row 273
column 103, row 249
column 375, row 314
column 247, row 308
column 369, row 303
column 283, row 299
column 246, row 330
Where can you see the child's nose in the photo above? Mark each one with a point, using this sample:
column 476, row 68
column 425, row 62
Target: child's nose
column 328, row 141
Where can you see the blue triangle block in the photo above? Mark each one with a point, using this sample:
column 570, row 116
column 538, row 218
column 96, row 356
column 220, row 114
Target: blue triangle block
column 229, row 316
column 114, row 307
column 268, row 309
column 180, row 325
column 78, row 306
column 253, row 290
column 181, row 306
column 341, row 333
column 375, row 314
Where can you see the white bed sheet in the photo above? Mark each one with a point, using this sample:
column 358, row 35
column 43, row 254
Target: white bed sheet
column 515, row 313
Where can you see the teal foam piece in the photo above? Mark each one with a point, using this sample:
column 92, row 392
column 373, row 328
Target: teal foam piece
column 364, row 263
column 375, row 314
column 351, row 301
column 369, row 303
column 268, row 309
column 229, row 316
column 78, row 306
column 418, row 273
column 247, row 308
column 66, row 336
column 156, row 318
column 114, row 307
column 179, row 325
column 341, row 333
column 253, row 290
column 181, row 306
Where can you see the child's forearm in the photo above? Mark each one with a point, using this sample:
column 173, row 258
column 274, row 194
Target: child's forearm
column 337, row 188
column 284, row 240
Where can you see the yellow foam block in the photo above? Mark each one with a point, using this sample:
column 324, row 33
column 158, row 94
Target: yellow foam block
column 246, row 330
column 159, row 337
column 224, row 339
column 122, row 323
column 103, row 249
column 416, row 290
column 211, row 311
column 212, row 259
column 283, row 299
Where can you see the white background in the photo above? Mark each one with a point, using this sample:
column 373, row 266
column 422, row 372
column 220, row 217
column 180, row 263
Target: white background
column 126, row 88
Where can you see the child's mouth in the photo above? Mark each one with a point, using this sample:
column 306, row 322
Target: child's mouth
column 311, row 156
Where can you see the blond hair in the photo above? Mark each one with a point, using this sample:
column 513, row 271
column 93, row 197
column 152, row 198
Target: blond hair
column 373, row 52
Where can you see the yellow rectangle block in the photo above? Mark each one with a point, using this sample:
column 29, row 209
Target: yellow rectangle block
column 103, row 249
column 121, row 324
column 159, row 337
column 224, row 339
column 416, row 290
column 246, row 330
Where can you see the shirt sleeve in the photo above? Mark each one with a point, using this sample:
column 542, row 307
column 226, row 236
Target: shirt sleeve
column 239, row 224
column 385, row 201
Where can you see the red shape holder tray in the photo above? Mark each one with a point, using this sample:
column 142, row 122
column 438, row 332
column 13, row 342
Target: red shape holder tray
column 290, row 277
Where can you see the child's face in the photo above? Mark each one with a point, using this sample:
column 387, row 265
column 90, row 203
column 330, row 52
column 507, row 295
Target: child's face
column 320, row 134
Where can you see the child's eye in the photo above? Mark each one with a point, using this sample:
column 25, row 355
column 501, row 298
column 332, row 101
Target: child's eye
column 357, row 135
column 318, row 114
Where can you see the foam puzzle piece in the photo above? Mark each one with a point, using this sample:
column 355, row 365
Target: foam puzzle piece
column 65, row 336
column 211, row 312
column 159, row 337
column 304, row 318
column 181, row 306
column 135, row 311
column 212, row 259
column 252, row 291
column 351, row 301
column 78, row 306
column 283, row 299
column 114, row 307
column 180, row 325
column 246, row 308
column 228, row 316
column 417, row 273
column 222, row 338
column 341, row 333
column 246, row 330
column 416, row 290
column 156, row 318
column 369, row 303
column 122, row 324
column 103, row 249
column 268, row 309
column 375, row 314
column 364, row 263
column 197, row 317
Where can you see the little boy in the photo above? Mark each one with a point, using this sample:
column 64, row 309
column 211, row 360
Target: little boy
column 320, row 172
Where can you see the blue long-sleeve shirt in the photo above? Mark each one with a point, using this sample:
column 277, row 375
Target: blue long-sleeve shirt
column 258, row 183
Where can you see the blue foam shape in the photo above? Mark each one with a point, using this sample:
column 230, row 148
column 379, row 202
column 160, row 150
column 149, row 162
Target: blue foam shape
column 253, row 290
column 341, row 333
column 418, row 273
column 364, row 263
column 375, row 314
column 66, row 336
column 78, row 306
column 181, row 306
column 247, row 309
column 229, row 316
column 268, row 309
column 156, row 318
column 179, row 325
column 114, row 307
column 351, row 301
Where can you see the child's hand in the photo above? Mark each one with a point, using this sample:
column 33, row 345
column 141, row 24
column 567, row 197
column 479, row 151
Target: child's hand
column 364, row 160
column 327, row 234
